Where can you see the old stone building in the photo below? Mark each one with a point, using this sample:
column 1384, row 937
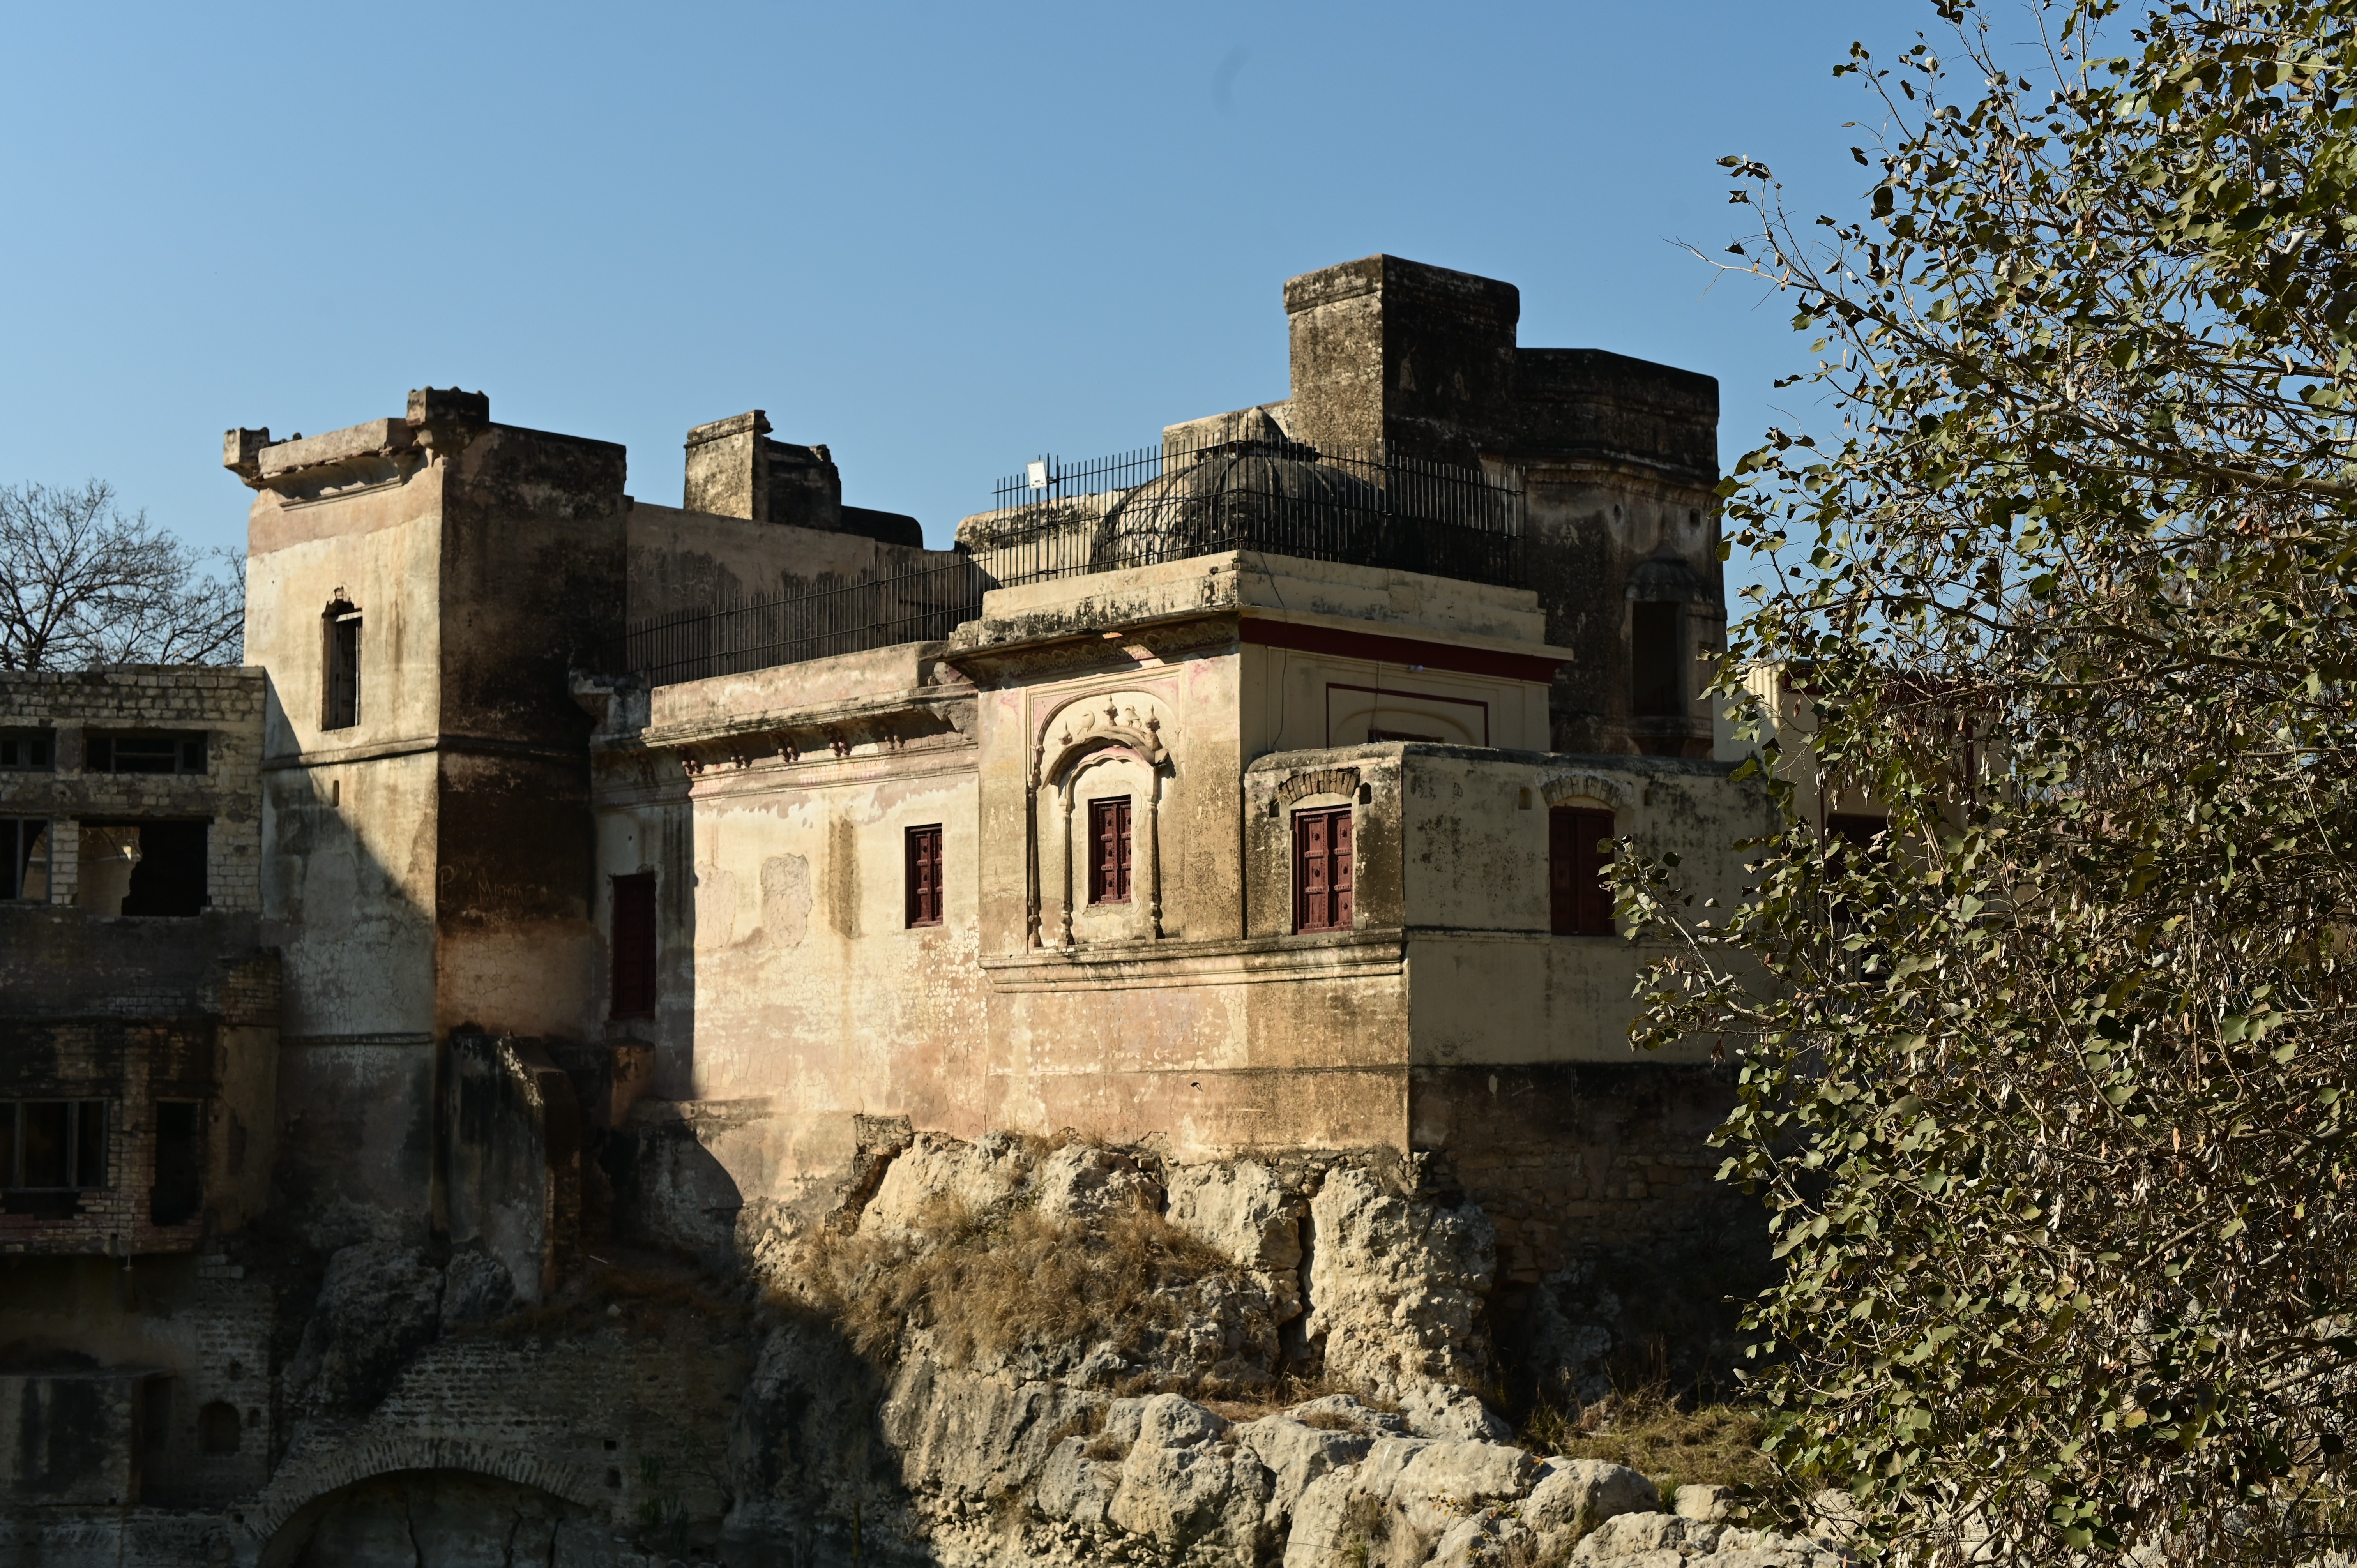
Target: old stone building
column 568, row 870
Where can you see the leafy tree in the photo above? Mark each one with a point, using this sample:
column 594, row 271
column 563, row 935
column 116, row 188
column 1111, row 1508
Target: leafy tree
column 2050, row 1095
column 81, row 585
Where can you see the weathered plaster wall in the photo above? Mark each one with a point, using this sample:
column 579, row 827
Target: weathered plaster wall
column 682, row 561
column 1590, row 527
column 431, row 864
column 774, row 810
column 1489, row 983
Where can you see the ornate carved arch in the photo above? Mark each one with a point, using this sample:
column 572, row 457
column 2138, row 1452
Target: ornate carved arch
column 1080, row 730
column 1129, row 720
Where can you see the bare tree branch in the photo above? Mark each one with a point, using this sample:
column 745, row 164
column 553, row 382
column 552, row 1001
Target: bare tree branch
column 82, row 585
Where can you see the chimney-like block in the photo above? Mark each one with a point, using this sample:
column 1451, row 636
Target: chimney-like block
column 448, row 405
column 1415, row 358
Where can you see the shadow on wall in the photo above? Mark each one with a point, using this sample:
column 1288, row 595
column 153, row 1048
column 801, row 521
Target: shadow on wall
column 817, row 1481
column 356, row 1070
column 438, row 1519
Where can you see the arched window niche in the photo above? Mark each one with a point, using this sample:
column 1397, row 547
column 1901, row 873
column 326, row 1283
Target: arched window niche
column 1097, row 814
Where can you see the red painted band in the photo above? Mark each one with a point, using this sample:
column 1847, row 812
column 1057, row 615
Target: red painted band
column 1396, row 650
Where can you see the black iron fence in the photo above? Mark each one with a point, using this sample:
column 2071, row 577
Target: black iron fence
column 1135, row 508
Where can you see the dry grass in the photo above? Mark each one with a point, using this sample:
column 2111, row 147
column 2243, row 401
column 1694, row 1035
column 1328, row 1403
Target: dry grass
column 646, row 1296
column 1648, row 1430
column 986, row 1286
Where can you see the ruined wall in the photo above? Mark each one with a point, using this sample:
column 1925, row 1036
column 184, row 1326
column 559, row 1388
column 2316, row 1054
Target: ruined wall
column 223, row 1064
column 1619, row 1252
column 225, row 706
column 194, row 1328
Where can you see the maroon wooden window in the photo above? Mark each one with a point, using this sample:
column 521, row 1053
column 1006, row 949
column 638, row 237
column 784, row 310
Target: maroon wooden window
column 634, row 946
column 1580, row 903
column 925, row 876
column 1321, row 870
column 1109, row 851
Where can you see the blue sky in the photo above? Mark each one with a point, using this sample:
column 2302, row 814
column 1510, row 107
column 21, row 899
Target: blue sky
column 938, row 239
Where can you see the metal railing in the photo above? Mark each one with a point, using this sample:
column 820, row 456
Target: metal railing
column 1135, row 508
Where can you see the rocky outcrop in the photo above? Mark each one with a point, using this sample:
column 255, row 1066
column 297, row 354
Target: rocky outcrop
column 1151, row 1439
column 1001, row 1352
column 1397, row 1288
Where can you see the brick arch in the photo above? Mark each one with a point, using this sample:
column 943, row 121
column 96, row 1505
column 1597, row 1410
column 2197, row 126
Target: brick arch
column 1565, row 787
column 290, row 1496
column 1317, row 781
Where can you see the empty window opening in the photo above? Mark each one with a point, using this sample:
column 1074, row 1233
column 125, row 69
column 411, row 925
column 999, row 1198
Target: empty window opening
column 1579, row 900
column 144, row 868
column 181, row 752
column 1109, row 851
column 25, row 848
column 1854, row 829
column 343, row 684
column 1656, row 679
column 634, row 946
column 179, row 1189
column 924, row 901
column 57, row 1146
column 1322, row 870
column 217, row 1428
column 28, row 751
column 155, row 1413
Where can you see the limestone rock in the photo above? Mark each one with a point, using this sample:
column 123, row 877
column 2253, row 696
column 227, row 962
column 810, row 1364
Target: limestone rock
column 1180, row 1484
column 1398, row 1285
column 476, row 1288
column 1083, row 1181
column 1242, row 1210
column 1493, row 1537
column 936, row 1168
column 1639, row 1539
column 1712, row 1504
column 1394, row 1507
column 1076, row 1489
column 1575, row 1494
column 1330, row 1409
column 378, row 1306
column 970, row 1436
column 1435, row 1410
column 1295, row 1454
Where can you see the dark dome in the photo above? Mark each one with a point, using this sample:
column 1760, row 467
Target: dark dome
column 1245, row 495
